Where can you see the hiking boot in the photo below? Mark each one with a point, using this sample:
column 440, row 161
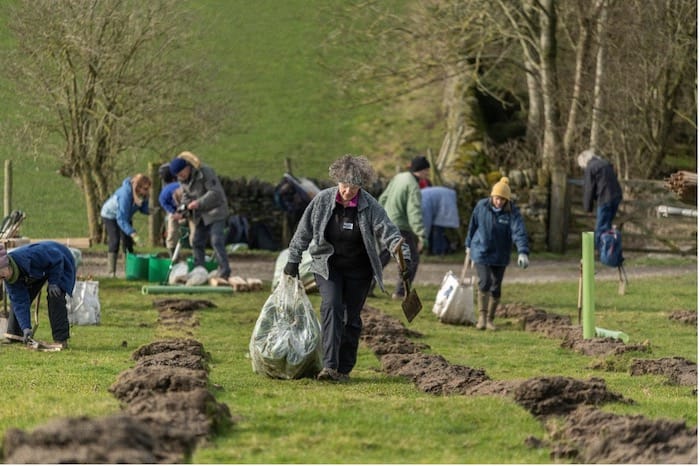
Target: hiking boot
column 397, row 296
column 332, row 375
column 481, row 324
column 493, row 304
column 60, row 344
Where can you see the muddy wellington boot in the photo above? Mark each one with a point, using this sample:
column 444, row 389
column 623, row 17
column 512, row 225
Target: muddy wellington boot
column 112, row 264
column 483, row 302
column 493, row 304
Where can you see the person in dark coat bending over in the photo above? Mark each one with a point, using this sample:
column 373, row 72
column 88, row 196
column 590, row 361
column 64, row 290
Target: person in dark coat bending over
column 25, row 270
column 341, row 227
column 600, row 184
column 495, row 225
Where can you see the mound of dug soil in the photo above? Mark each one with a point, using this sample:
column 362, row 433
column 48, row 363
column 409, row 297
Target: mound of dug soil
column 167, row 409
column 589, row 435
column 594, row 436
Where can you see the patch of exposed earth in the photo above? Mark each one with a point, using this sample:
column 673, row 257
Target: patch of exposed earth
column 167, row 407
column 588, row 434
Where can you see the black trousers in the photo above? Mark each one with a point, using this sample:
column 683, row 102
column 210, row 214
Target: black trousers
column 490, row 278
column 115, row 235
column 342, row 298
column 58, row 314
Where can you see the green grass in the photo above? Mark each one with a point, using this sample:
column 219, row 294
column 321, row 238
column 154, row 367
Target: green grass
column 286, row 106
column 375, row 418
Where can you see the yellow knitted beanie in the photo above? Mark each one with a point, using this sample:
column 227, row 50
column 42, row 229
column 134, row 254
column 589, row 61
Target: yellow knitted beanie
column 501, row 189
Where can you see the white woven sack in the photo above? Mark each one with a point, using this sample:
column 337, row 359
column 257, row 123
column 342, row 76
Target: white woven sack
column 454, row 303
column 84, row 305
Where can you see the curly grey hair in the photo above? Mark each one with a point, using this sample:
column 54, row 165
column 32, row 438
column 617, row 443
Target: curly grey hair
column 351, row 169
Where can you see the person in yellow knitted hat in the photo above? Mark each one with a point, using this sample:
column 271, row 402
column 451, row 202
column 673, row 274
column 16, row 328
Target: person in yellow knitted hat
column 495, row 225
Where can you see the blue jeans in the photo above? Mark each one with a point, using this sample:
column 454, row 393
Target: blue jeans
column 604, row 218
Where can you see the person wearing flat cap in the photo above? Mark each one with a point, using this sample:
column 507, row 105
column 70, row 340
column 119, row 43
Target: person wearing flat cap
column 206, row 207
column 341, row 228
column 25, row 270
column 495, row 225
column 402, row 201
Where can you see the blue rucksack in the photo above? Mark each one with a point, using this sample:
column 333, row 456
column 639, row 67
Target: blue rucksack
column 611, row 248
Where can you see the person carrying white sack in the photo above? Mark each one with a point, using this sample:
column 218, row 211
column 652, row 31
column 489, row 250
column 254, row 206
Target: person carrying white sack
column 495, row 225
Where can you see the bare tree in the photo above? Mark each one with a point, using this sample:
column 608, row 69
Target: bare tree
column 114, row 80
column 615, row 104
column 653, row 85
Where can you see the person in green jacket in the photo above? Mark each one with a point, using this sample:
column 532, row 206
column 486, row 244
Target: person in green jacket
column 402, row 201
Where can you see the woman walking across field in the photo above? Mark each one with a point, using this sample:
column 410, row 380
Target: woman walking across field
column 341, row 227
column 495, row 225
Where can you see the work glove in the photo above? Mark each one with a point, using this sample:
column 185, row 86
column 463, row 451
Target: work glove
column 523, row 261
column 291, row 269
column 55, row 291
column 137, row 240
column 28, row 334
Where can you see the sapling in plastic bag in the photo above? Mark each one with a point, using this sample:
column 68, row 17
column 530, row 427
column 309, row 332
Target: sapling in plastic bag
column 286, row 340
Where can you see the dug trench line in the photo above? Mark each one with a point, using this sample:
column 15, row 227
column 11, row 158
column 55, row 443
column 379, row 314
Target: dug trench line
column 588, row 435
column 167, row 407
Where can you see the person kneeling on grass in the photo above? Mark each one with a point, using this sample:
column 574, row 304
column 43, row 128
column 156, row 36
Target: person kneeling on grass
column 495, row 225
column 25, row 270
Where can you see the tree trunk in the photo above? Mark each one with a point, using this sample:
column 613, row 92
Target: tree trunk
column 93, row 205
column 596, row 115
column 463, row 126
column 551, row 148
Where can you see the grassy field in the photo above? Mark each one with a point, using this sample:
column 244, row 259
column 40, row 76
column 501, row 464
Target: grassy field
column 375, row 418
column 286, row 106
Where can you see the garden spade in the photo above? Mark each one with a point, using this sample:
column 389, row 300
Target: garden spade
column 411, row 304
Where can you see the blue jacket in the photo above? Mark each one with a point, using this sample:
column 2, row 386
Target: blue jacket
column 45, row 260
column 491, row 234
column 166, row 199
column 439, row 205
column 372, row 219
column 121, row 207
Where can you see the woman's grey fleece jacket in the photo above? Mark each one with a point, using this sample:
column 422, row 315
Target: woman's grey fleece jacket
column 378, row 232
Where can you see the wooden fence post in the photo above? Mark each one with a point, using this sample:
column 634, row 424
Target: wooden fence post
column 7, row 199
column 155, row 222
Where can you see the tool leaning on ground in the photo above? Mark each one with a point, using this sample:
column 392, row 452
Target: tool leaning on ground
column 411, row 304
column 31, row 343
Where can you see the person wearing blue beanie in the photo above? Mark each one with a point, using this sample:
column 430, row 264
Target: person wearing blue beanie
column 177, row 165
column 206, row 208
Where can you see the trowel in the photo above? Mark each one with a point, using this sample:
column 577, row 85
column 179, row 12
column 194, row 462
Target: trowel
column 411, row 304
